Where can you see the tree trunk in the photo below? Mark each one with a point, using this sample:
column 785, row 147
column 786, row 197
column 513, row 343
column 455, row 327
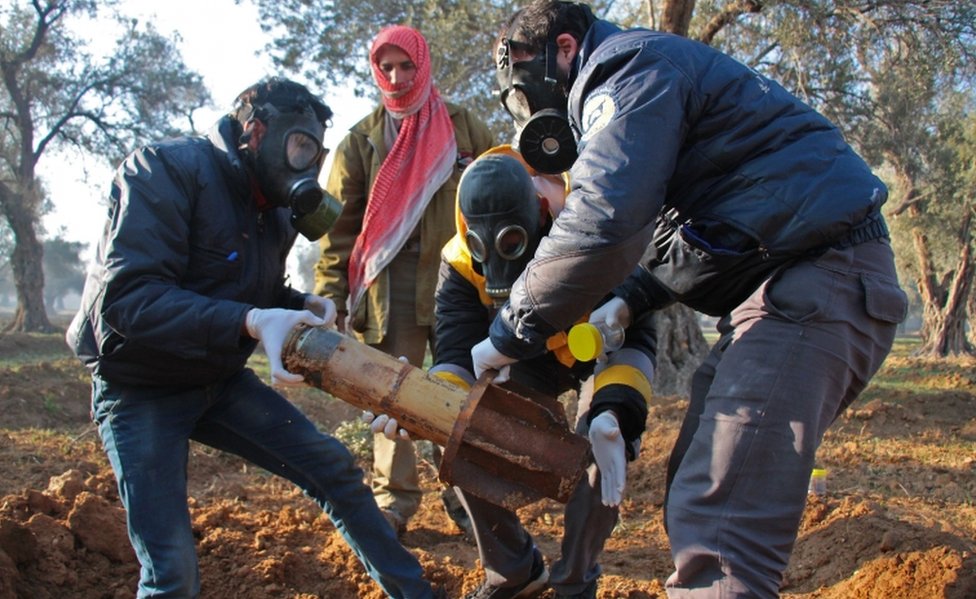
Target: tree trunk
column 944, row 319
column 681, row 347
column 971, row 315
column 676, row 16
column 26, row 266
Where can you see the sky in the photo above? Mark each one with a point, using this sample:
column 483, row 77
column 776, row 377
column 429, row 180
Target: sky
column 219, row 40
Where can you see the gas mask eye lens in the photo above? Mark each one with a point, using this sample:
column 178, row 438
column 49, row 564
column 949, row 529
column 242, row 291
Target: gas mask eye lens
column 511, row 242
column 476, row 247
column 301, row 150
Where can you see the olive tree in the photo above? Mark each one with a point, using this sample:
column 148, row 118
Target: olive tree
column 58, row 94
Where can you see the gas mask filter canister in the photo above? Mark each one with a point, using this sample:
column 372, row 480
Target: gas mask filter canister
column 547, row 142
column 319, row 221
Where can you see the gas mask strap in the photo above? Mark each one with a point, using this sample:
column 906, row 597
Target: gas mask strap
column 552, row 51
column 504, row 58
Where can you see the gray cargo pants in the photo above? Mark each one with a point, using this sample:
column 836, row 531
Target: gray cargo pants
column 790, row 358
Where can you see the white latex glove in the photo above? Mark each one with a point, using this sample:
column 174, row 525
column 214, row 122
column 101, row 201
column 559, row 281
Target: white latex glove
column 610, row 455
column 486, row 357
column 271, row 327
column 322, row 307
column 615, row 311
column 386, row 425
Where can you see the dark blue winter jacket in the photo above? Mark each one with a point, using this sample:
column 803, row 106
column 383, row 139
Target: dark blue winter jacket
column 694, row 166
column 185, row 254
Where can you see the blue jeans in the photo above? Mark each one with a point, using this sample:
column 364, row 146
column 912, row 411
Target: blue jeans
column 146, row 431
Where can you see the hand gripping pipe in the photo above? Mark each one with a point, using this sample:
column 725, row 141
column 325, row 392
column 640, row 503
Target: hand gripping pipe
column 510, row 447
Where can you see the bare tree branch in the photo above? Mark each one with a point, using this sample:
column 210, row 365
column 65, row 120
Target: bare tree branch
column 731, row 12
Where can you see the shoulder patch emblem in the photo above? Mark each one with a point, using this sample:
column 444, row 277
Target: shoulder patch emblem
column 598, row 111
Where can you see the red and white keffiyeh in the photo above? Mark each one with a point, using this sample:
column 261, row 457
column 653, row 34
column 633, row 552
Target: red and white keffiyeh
column 421, row 160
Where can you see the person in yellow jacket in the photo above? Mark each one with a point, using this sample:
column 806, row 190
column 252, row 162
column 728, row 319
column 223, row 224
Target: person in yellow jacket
column 396, row 174
column 504, row 209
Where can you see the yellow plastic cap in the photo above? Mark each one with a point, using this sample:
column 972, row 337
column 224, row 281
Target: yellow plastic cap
column 585, row 342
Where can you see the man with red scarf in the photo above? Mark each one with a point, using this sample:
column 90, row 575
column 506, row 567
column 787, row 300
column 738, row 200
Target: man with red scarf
column 396, row 174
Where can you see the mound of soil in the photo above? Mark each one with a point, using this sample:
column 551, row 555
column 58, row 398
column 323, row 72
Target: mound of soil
column 898, row 519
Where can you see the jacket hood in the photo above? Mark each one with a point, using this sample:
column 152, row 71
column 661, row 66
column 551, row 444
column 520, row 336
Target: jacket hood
column 224, row 135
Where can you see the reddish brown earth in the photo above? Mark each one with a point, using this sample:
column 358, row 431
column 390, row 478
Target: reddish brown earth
column 898, row 520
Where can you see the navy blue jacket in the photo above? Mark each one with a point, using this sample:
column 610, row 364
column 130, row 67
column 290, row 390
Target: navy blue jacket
column 183, row 257
column 697, row 168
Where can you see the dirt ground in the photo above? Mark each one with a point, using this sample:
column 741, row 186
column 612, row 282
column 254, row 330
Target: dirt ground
column 898, row 519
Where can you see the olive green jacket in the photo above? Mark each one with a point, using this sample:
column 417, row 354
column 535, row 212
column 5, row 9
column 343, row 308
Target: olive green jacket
column 357, row 160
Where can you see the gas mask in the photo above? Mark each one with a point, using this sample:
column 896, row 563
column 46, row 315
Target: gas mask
column 287, row 164
column 535, row 93
column 532, row 93
column 503, row 220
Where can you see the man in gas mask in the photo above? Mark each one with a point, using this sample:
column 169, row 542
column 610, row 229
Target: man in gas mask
column 505, row 208
column 736, row 199
column 189, row 276
column 286, row 163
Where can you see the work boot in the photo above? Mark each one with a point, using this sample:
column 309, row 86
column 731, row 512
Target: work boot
column 533, row 587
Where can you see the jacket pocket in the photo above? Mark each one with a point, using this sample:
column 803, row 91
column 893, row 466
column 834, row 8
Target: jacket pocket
column 884, row 300
column 708, row 275
column 213, row 264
